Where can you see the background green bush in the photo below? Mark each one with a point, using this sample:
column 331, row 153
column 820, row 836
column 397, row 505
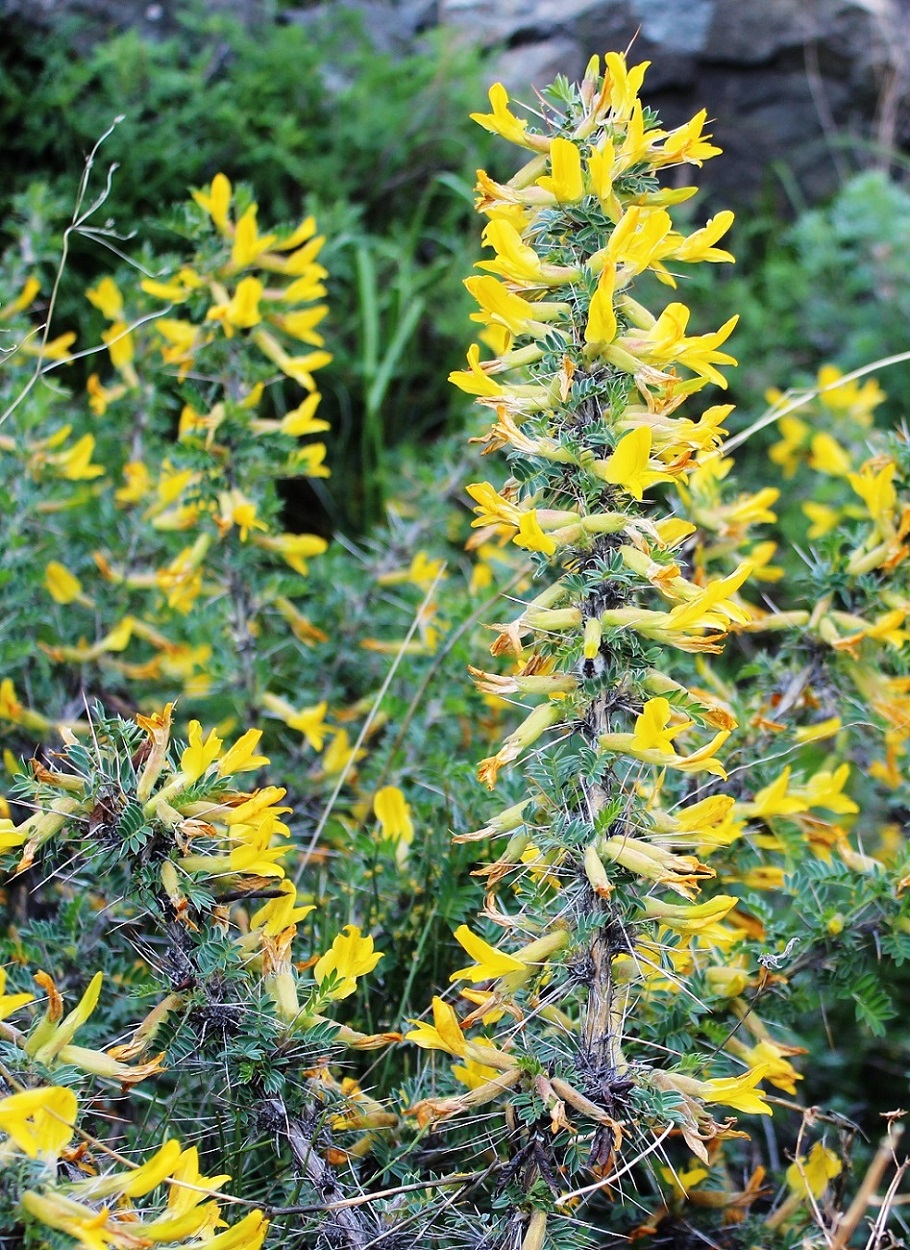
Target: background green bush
column 315, row 119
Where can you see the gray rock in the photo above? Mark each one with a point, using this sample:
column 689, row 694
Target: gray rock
column 538, row 63
column 513, row 21
column 792, row 84
column 392, row 25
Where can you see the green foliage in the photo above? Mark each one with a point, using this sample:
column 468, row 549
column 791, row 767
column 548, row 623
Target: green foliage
column 830, row 286
column 311, row 115
column 121, row 845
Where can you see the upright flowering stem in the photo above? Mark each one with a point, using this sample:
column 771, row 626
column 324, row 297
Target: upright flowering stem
column 584, row 386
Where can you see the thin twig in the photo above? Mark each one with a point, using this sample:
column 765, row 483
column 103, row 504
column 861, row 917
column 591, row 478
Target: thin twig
column 343, row 775
column 78, row 219
column 441, row 1182
column 805, row 397
column 614, row 1176
column 870, row 1182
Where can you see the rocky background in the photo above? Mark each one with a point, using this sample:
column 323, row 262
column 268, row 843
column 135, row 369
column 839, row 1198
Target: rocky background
column 804, row 91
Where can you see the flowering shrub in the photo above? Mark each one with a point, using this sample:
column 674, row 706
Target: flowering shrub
column 698, row 850
column 658, row 778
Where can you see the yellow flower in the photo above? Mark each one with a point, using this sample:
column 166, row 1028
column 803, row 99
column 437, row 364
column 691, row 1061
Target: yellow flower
column 681, row 873
column 40, row 1121
column 530, row 729
column 600, row 171
column 474, row 380
column 173, row 482
column 707, row 823
column 473, row 1074
column 53, row 349
column 503, row 307
column 100, row 397
column 875, row 486
column 107, row 299
column 601, row 324
column 61, row 584
column 237, row 509
column 280, row 913
column 119, row 342
column 686, row 143
column 251, row 854
column 247, row 1234
column 689, row 918
column 351, row 956
column 805, row 1176
column 665, row 343
column 243, row 310
column 181, row 580
column 12, row 710
column 22, row 300
column 795, row 434
column 651, row 742
column 74, row 464
column 825, row 789
column 10, row 1002
column 198, row 755
column 823, row 517
column 565, row 181
column 294, row 549
column 828, row 456
column 302, row 628
column 515, row 261
column 623, row 83
column 492, row 508
column 819, row 730
column 216, row 201
column 858, row 399
column 393, row 814
column 708, row 608
column 181, row 339
column 642, row 238
column 490, row 963
column 699, row 246
column 258, row 805
column 301, row 421
column 443, row 1034
column 301, row 324
column 249, row 244
column 158, row 728
column 503, row 122
column 309, row 720
column 241, row 757
column 530, row 536
column 774, row 800
column 738, row 1092
column 682, row 1182
column 629, row 465
column 725, row 981
column 51, row 1034
column 302, row 234
column 308, row 461
column 653, row 729
column 781, row 1073
column 176, row 290
column 423, row 572
column 189, row 1187
column 339, row 754
column 137, row 1182
column 99, row 1229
